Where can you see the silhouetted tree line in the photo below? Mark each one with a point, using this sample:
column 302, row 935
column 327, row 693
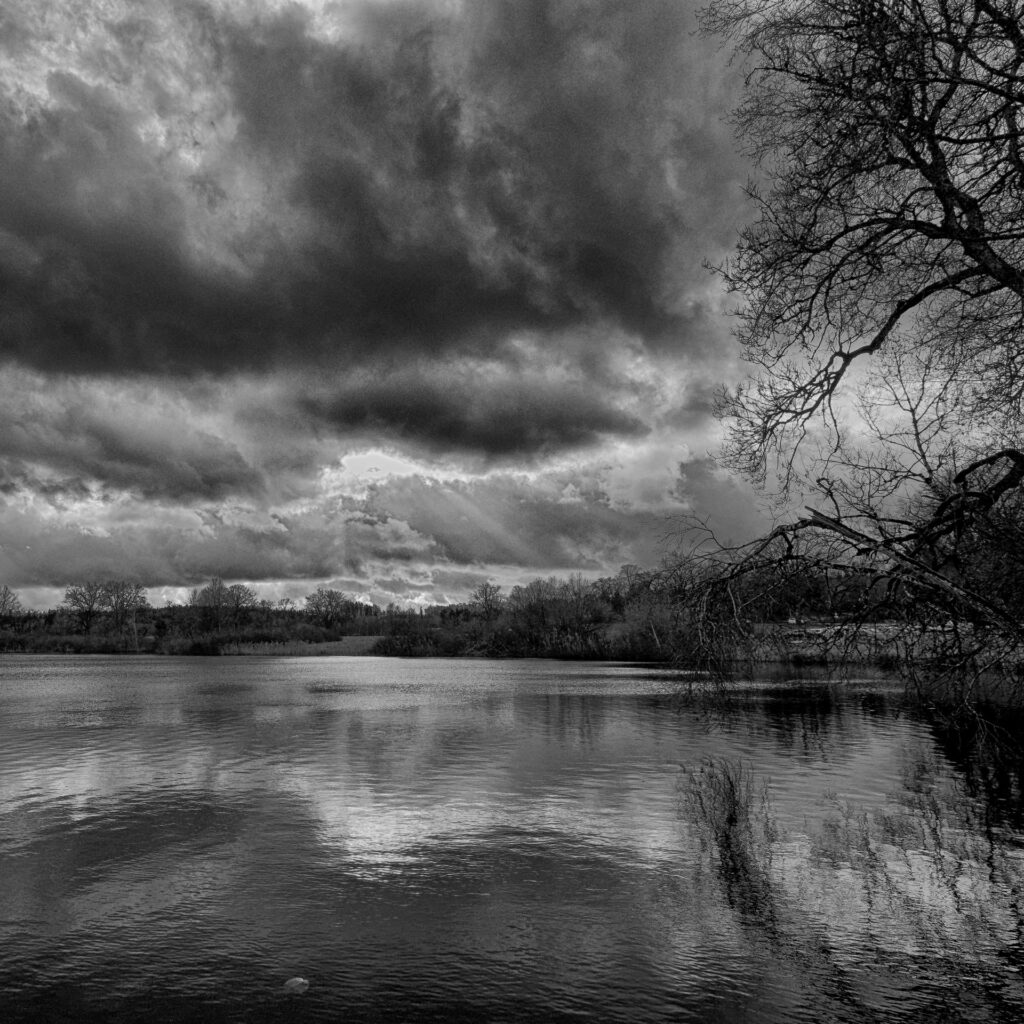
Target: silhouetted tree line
column 627, row 617
column 637, row 614
column 642, row 615
column 632, row 615
column 114, row 616
column 685, row 611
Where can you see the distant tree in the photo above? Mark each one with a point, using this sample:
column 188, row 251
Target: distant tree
column 10, row 604
column 487, row 598
column 122, row 600
column 329, row 608
column 532, row 609
column 578, row 598
column 211, row 602
column 85, row 600
column 240, row 600
column 213, row 595
column 219, row 605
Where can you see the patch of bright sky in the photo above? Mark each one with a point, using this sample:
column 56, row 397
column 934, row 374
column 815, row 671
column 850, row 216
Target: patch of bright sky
column 353, row 473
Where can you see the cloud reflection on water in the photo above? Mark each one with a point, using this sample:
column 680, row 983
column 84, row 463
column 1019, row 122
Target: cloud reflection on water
column 517, row 828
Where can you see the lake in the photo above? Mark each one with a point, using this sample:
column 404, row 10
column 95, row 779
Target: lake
column 442, row 840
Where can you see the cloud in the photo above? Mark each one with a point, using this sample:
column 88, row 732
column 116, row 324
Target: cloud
column 243, row 239
column 710, row 494
column 410, row 527
column 202, row 191
column 517, row 521
column 466, row 408
column 394, row 535
column 76, row 438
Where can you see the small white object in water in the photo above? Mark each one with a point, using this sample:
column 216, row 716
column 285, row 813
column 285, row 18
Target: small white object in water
column 296, row 985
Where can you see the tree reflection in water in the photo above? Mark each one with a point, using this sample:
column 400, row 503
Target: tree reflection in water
column 735, row 825
column 911, row 902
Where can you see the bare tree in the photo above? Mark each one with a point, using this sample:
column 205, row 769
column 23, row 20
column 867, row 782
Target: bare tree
column 10, row 604
column 328, row 608
column 122, row 599
column 890, row 232
column 888, row 132
column 85, row 600
column 487, row 598
column 212, row 603
column 240, row 600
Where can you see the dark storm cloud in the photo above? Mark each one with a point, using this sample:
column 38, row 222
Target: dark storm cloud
column 70, row 443
column 246, row 248
column 460, row 410
column 422, row 186
column 521, row 183
column 94, row 269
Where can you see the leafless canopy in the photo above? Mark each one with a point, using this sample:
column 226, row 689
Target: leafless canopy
column 888, row 132
column 881, row 285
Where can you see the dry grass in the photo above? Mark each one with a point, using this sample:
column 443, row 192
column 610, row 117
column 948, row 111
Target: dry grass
column 346, row 646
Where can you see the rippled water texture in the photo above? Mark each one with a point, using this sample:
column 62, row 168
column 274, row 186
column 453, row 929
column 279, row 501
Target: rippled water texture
column 194, row 839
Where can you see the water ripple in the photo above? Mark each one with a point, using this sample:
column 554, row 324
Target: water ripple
column 485, row 841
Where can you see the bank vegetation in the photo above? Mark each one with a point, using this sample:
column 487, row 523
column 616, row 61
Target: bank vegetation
column 629, row 616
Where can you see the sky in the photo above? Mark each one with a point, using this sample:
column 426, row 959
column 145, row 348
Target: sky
column 392, row 296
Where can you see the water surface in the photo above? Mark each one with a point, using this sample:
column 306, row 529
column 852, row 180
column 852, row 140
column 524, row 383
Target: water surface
column 491, row 841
